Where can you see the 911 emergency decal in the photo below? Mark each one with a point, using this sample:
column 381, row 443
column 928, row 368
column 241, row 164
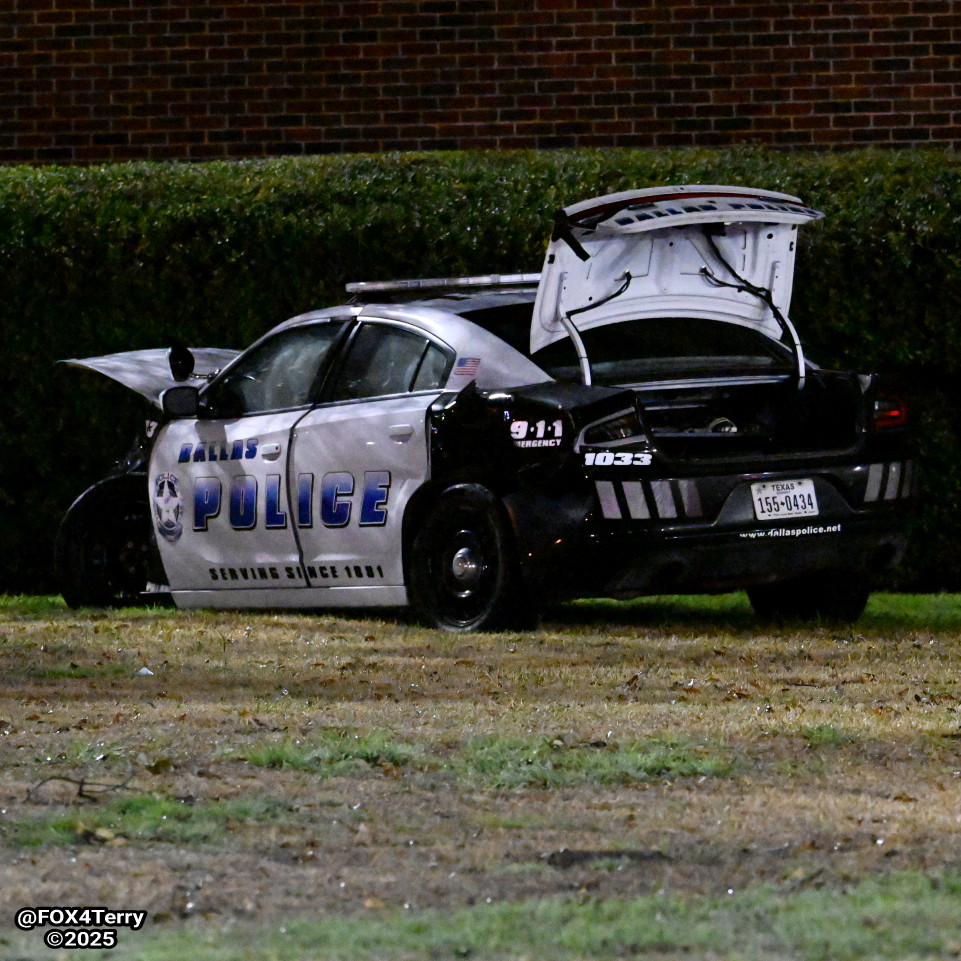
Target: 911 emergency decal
column 340, row 502
column 537, row 433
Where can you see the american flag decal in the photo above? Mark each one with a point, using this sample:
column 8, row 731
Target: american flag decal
column 467, row 366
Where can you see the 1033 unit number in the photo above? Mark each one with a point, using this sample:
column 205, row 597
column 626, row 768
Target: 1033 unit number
column 609, row 458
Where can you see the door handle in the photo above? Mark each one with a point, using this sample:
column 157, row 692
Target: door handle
column 270, row 451
column 401, row 433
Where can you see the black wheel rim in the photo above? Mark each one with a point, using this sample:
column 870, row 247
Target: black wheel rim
column 464, row 569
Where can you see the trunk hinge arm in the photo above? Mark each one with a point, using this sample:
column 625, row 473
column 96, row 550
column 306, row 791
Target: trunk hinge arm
column 575, row 336
column 768, row 298
column 568, row 324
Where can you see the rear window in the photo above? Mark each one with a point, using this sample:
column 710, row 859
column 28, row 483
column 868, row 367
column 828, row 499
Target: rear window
column 668, row 347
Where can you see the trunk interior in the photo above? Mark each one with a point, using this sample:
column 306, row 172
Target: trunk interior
column 707, row 389
column 704, row 420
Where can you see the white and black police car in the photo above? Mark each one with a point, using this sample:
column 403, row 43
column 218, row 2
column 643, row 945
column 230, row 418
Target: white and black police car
column 639, row 418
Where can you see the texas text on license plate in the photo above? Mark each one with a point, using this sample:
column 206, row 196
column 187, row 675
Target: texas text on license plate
column 784, row 498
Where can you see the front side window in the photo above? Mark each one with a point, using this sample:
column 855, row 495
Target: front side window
column 386, row 360
column 279, row 374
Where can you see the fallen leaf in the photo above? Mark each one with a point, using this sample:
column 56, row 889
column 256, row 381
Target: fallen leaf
column 363, row 835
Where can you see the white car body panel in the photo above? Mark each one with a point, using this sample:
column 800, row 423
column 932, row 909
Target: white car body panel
column 653, row 244
column 298, row 507
column 363, row 460
column 148, row 372
column 235, row 528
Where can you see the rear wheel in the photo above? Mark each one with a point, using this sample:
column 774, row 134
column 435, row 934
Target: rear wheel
column 104, row 549
column 463, row 565
column 832, row 596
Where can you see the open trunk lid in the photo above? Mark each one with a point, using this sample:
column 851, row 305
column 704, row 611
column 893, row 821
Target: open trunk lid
column 668, row 252
column 682, row 294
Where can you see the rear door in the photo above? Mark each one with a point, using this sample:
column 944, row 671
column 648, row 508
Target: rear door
column 360, row 454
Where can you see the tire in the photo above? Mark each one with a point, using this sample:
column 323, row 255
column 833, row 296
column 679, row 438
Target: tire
column 831, row 596
column 463, row 571
column 104, row 550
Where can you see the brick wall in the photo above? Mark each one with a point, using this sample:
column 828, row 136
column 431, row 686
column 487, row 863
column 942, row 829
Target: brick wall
column 85, row 81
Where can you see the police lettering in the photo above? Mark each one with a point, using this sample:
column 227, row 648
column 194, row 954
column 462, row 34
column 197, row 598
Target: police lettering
column 341, row 501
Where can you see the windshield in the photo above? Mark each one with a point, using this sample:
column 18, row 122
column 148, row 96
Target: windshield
column 665, row 348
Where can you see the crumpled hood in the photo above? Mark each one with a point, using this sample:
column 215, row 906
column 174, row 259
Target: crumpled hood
column 148, row 371
column 659, row 252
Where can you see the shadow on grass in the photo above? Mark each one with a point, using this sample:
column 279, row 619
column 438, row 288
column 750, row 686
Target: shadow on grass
column 728, row 612
column 885, row 612
column 732, row 612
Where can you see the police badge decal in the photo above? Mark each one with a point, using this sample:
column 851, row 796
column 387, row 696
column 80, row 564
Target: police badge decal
column 168, row 506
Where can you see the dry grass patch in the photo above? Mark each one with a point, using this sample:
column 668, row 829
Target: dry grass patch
column 620, row 751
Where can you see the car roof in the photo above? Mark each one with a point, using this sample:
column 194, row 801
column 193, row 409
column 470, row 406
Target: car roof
column 499, row 303
column 456, row 312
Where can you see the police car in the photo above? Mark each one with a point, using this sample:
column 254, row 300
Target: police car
column 639, row 418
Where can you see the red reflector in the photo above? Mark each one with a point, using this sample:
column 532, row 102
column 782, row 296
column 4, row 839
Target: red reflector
column 889, row 412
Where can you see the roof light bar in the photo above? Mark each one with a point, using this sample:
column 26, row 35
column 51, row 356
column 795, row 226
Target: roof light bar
column 439, row 283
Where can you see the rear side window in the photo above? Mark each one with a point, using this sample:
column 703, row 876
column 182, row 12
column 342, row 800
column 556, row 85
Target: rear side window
column 385, row 360
column 432, row 374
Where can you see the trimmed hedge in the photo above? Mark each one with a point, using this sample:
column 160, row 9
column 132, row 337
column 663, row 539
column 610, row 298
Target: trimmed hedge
column 97, row 260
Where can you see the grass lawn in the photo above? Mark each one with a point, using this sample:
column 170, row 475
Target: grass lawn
column 661, row 778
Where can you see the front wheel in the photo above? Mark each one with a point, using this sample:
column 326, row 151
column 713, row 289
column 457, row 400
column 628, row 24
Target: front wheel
column 831, row 596
column 463, row 566
column 103, row 552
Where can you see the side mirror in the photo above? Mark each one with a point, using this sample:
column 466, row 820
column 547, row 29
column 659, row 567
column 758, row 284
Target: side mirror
column 180, row 401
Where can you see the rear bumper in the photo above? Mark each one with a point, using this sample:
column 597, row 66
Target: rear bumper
column 624, row 537
column 629, row 564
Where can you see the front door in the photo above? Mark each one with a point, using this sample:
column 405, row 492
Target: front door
column 357, row 466
column 222, row 512
column 219, row 483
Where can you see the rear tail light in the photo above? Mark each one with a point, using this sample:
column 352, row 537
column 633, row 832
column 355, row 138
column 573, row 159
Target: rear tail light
column 890, row 412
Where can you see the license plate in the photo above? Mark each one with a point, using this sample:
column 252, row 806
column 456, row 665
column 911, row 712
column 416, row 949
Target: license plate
column 786, row 498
